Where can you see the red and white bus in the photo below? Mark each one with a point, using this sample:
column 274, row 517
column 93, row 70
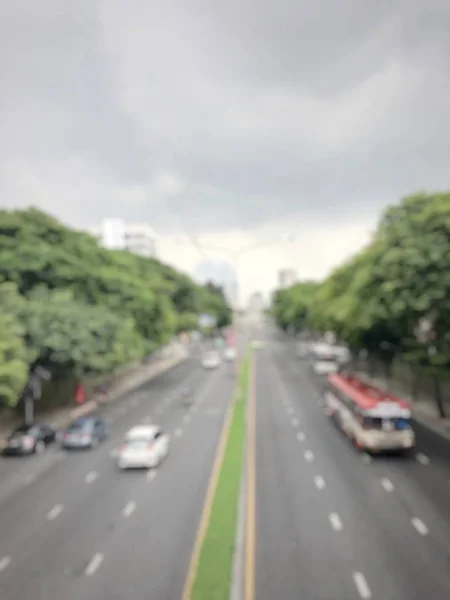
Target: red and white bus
column 373, row 419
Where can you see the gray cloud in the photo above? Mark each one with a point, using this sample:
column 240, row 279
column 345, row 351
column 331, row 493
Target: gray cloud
column 312, row 112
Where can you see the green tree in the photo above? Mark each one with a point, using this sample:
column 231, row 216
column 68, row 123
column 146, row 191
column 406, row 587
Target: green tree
column 13, row 361
column 291, row 306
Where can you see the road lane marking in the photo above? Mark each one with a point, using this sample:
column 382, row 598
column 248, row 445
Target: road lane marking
column 335, row 521
column 295, row 422
column 4, row 562
column 94, row 564
column 207, row 506
column 250, row 530
column 366, row 458
column 419, row 525
column 178, row 432
column 186, row 418
column 129, row 509
column 309, row 456
column 151, row 474
column 362, row 586
column 290, row 411
column 387, row 484
column 91, row 477
column 56, row 510
column 301, row 437
column 320, row 482
column 422, row 458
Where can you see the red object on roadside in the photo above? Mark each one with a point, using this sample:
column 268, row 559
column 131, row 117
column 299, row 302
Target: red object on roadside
column 80, row 394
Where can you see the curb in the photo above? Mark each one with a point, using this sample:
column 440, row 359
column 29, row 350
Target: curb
column 93, row 405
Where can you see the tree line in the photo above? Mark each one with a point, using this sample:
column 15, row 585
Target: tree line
column 392, row 298
column 74, row 308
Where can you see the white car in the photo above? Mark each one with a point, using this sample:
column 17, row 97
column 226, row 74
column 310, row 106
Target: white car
column 325, row 366
column 230, row 354
column 211, row 360
column 144, row 446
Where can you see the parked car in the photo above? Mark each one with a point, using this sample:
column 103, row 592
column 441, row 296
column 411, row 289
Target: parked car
column 144, row 446
column 29, row 439
column 85, row 432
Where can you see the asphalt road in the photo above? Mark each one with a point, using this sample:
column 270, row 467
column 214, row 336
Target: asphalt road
column 334, row 524
column 73, row 527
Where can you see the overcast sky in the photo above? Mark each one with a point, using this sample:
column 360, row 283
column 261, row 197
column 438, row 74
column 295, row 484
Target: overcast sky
column 237, row 121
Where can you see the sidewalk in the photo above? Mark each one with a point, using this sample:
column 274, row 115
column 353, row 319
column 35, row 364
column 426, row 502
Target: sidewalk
column 424, row 412
column 61, row 417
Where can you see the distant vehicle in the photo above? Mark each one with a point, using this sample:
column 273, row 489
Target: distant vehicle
column 373, row 419
column 85, row 432
column 325, row 365
column 211, row 360
column 144, row 446
column 29, row 439
column 230, row 354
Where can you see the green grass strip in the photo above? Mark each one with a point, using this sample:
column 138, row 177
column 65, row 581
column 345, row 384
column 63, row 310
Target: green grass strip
column 213, row 577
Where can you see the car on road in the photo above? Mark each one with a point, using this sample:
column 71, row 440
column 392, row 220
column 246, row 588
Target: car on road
column 29, row 439
column 326, row 365
column 230, row 354
column 84, row 433
column 211, row 360
column 144, row 447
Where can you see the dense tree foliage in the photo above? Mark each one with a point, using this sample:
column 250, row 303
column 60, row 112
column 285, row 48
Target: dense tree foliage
column 78, row 308
column 379, row 298
column 291, row 306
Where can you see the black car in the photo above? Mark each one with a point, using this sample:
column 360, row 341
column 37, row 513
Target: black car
column 85, row 432
column 29, row 439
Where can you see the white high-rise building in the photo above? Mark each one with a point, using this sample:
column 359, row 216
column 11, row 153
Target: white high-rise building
column 116, row 234
column 287, row 277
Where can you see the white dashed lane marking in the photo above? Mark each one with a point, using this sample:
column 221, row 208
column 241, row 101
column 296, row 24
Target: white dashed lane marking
column 90, row 477
column 151, row 475
column 362, row 586
column 301, row 437
column 309, row 456
column 290, row 411
column 4, row 562
column 129, row 509
column 94, row 564
column 320, row 482
column 387, row 484
column 335, row 521
column 294, row 422
column 186, row 418
column 56, row 510
column 419, row 525
column 422, row 458
column 178, row 433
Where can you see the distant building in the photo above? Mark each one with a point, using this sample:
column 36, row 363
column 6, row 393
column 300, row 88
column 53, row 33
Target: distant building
column 286, row 278
column 116, row 234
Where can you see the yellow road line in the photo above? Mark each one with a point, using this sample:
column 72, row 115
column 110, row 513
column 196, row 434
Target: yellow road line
column 250, row 534
column 207, row 507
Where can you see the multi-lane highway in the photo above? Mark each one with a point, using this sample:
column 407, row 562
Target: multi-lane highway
column 331, row 523
column 73, row 527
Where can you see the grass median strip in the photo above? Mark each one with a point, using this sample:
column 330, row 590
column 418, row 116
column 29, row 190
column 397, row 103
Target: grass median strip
column 213, row 575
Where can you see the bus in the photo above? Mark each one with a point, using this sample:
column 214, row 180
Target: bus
column 373, row 419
